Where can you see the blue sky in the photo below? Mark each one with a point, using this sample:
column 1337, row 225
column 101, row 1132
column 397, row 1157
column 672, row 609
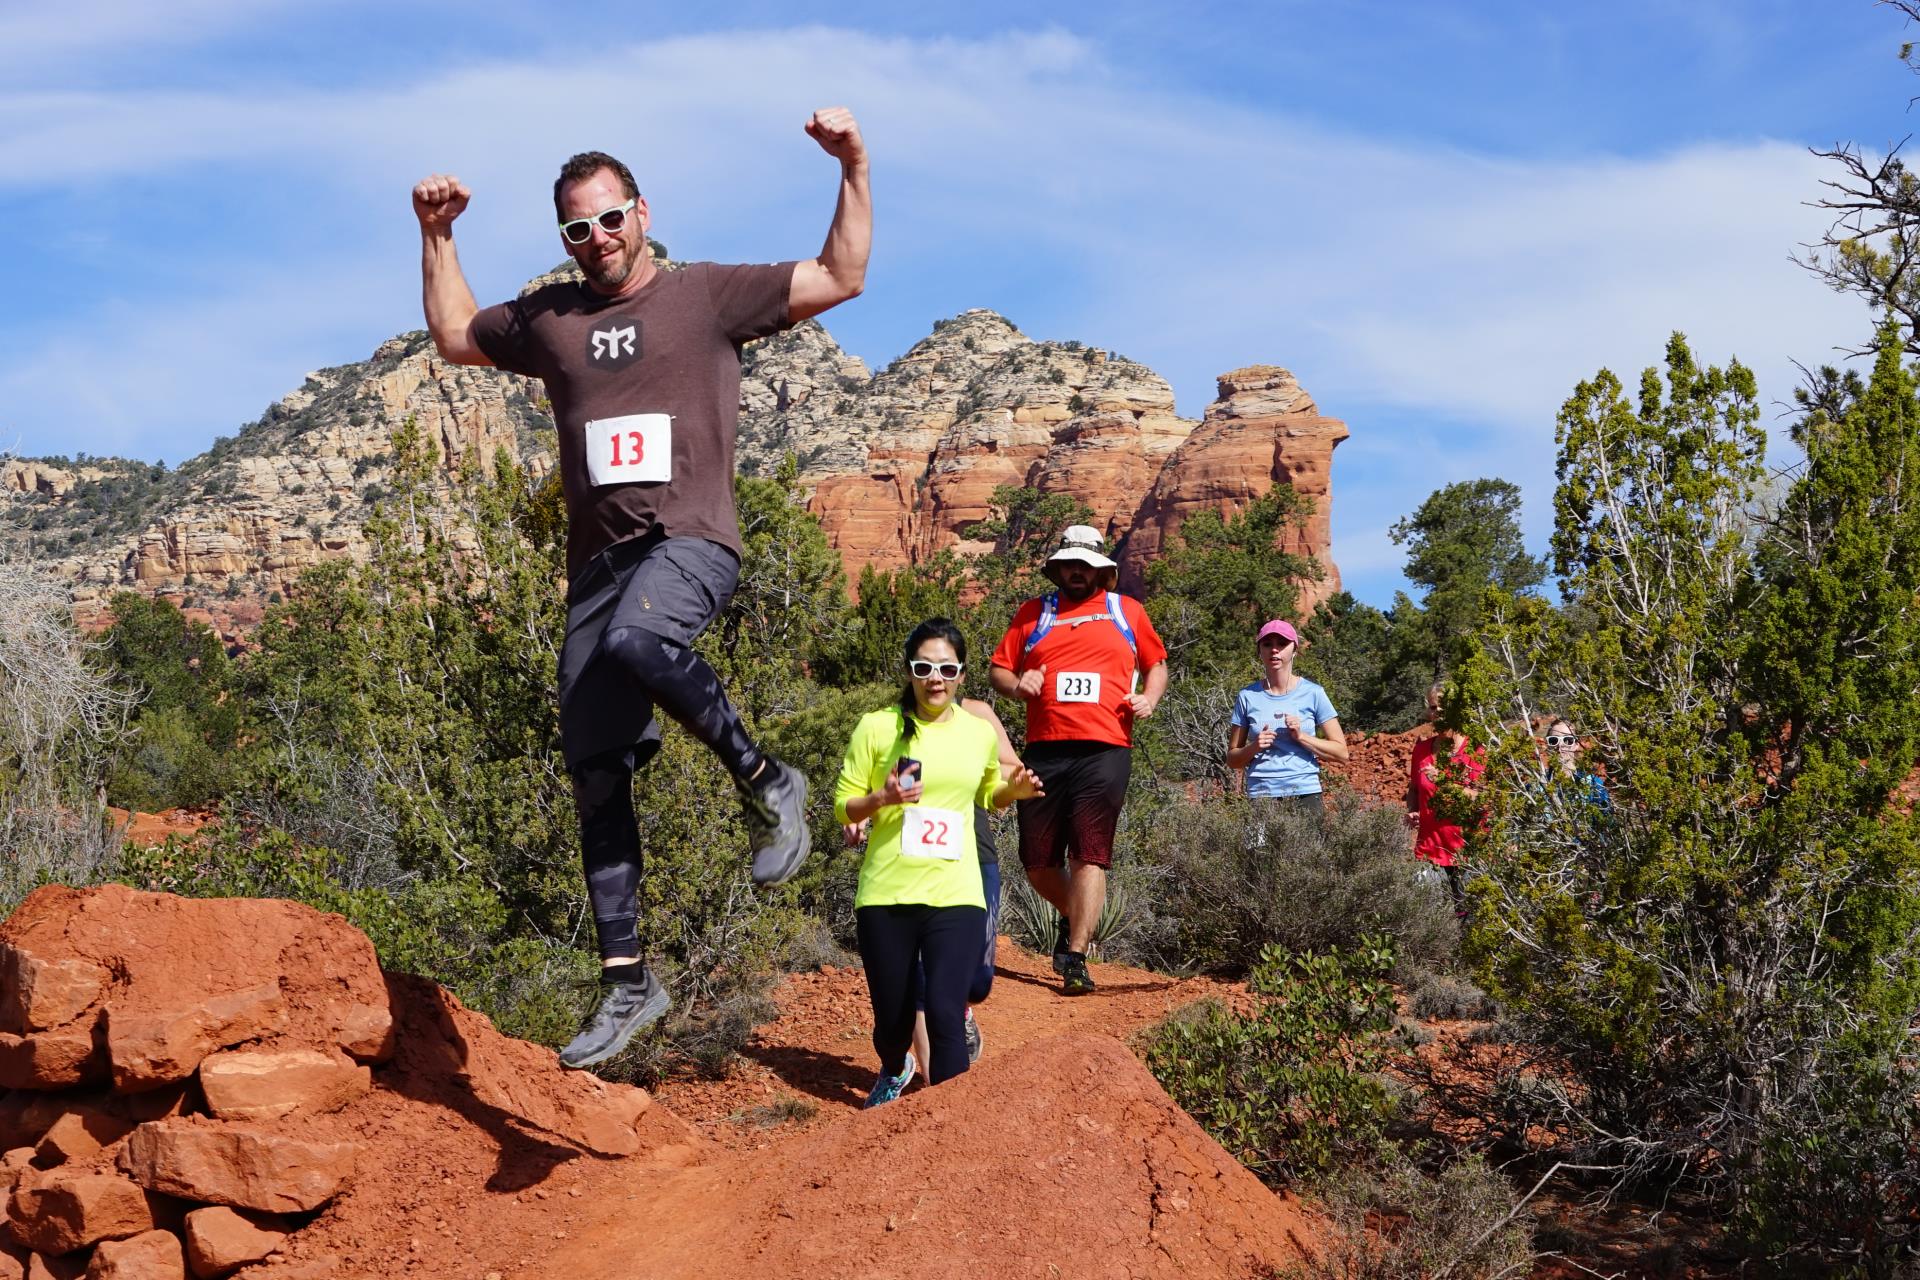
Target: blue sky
column 1439, row 216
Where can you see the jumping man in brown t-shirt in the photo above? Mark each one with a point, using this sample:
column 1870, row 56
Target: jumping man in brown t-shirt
column 643, row 368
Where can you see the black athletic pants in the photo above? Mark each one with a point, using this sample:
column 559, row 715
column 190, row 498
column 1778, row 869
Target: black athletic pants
column 639, row 610
column 895, row 941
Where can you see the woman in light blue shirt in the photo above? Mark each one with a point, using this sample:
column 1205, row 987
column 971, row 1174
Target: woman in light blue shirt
column 1283, row 726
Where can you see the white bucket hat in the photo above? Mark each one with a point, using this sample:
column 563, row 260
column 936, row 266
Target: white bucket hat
column 1080, row 542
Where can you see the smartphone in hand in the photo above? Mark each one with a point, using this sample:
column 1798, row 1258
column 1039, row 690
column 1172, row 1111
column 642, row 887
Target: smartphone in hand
column 908, row 773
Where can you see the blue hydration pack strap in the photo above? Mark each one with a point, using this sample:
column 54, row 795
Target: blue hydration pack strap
column 1050, row 610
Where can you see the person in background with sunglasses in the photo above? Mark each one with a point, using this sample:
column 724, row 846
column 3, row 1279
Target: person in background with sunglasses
column 1563, row 744
column 642, row 365
column 916, row 770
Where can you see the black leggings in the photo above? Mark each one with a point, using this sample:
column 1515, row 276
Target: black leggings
column 946, row 940
column 682, row 684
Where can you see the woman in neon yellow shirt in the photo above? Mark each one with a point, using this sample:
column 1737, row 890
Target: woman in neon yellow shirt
column 919, row 899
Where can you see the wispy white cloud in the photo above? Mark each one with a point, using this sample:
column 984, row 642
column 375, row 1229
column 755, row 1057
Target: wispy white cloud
column 45, row 40
column 1026, row 173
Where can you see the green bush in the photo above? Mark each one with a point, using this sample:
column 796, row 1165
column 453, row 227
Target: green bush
column 167, row 762
column 1444, row 997
column 1241, row 879
column 1291, row 1090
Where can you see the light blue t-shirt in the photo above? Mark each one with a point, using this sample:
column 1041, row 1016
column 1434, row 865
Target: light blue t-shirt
column 1286, row 768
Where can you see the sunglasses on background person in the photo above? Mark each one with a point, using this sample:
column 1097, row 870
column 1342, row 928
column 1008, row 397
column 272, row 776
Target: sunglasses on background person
column 612, row 221
column 1562, row 740
column 947, row 670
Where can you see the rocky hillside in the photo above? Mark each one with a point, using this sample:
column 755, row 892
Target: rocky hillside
column 898, row 464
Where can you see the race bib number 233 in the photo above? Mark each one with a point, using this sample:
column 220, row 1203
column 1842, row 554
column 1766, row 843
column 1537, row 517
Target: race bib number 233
column 1076, row 686
column 634, row 447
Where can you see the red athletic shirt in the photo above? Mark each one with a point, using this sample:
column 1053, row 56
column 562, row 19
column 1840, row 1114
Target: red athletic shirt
column 1089, row 668
column 1438, row 841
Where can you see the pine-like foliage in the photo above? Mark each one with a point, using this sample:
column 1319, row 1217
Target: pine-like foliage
column 1701, row 957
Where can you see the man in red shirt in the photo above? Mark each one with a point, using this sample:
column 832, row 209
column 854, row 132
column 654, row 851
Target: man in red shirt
column 1075, row 657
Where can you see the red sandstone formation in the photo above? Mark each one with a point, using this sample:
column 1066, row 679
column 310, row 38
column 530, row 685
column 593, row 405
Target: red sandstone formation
column 1105, row 433
column 334, row 1121
column 190, row 1082
column 1262, row 430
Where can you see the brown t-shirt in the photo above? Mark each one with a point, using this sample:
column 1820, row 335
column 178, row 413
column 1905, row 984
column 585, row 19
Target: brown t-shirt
column 646, row 394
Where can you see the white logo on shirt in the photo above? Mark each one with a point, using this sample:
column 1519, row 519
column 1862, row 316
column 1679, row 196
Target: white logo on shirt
column 613, row 343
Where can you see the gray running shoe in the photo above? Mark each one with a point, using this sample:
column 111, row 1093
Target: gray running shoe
column 974, row 1039
column 777, row 824
column 623, row 1008
column 1077, row 981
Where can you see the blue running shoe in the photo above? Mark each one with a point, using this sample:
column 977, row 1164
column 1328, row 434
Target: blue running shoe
column 887, row 1087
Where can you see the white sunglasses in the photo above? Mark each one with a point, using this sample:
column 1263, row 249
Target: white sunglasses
column 612, row 221
column 922, row 669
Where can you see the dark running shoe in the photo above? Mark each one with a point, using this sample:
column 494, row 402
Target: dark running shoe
column 1076, row 980
column 777, row 823
column 624, row 1007
column 1060, row 947
column 974, row 1039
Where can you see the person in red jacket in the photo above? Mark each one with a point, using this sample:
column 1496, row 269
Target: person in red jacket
column 1076, row 657
column 1436, row 841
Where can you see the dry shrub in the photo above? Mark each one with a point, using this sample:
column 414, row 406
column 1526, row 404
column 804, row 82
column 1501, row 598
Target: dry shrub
column 1400, row 1222
column 1240, row 878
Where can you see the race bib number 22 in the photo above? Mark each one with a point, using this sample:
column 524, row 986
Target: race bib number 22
column 635, row 447
column 934, row 833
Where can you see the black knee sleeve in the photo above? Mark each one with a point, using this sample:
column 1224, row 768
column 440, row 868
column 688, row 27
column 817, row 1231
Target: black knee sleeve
column 610, row 849
column 682, row 684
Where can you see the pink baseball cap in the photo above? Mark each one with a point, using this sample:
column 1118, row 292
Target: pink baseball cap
column 1278, row 627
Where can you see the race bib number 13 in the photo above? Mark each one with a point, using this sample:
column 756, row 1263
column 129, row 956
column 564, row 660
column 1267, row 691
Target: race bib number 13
column 638, row 446
column 1076, row 686
column 934, row 833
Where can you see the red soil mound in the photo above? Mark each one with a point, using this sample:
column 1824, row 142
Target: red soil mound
column 1064, row 1157
column 163, row 1056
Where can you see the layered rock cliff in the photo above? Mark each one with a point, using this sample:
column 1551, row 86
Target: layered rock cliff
column 898, row 464
column 1261, row 431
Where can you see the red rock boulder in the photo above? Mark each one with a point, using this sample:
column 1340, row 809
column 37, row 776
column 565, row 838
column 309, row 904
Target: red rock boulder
column 58, row 1214
column 190, row 977
column 220, row 1240
column 154, row 1255
column 233, row 1165
column 39, row 994
column 261, row 1084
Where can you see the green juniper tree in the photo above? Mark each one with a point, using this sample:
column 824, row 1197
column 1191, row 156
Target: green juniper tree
column 182, row 740
column 1225, row 576
column 1701, row 959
